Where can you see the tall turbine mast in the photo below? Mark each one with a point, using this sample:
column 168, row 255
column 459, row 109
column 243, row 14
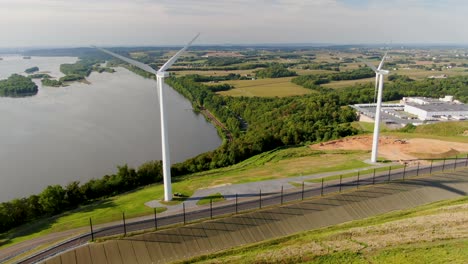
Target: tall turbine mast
column 380, row 78
column 160, row 75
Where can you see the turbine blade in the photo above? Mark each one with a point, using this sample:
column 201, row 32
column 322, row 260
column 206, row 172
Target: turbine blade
column 177, row 55
column 371, row 66
column 382, row 62
column 135, row 63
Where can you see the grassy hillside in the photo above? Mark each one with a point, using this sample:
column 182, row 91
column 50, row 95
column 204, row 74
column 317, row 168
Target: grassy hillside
column 279, row 163
column 434, row 233
column 445, row 129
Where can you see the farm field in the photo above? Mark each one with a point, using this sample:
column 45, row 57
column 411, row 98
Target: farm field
column 278, row 87
column 347, row 83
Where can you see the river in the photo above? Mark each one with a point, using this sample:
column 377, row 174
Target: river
column 84, row 131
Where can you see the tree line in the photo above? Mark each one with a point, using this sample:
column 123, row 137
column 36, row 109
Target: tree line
column 56, row 199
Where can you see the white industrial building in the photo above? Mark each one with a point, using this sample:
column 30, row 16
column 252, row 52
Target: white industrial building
column 435, row 109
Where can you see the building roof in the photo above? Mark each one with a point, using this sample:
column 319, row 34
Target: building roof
column 444, row 107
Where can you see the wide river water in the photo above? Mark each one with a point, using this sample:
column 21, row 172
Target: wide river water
column 84, row 131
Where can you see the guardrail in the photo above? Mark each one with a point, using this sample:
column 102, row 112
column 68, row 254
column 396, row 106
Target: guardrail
column 240, row 203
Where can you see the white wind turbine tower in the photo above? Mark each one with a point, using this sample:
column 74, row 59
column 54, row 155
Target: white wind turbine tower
column 160, row 75
column 379, row 79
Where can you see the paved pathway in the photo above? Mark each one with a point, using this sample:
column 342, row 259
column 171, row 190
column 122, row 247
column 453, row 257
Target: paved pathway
column 252, row 189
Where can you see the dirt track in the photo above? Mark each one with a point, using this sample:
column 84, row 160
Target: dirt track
column 394, row 148
column 211, row 236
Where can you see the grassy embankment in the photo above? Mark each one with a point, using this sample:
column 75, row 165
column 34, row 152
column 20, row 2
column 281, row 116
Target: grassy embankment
column 274, row 164
column 434, row 233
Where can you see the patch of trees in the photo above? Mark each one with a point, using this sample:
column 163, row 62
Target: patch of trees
column 204, row 78
column 51, row 82
column 220, row 87
column 364, row 93
column 247, row 66
column 223, row 61
column 56, row 199
column 71, row 78
column 17, row 86
column 40, row 76
column 399, row 78
column 78, row 70
column 275, row 70
column 314, row 81
column 31, row 70
column 323, row 66
column 103, row 69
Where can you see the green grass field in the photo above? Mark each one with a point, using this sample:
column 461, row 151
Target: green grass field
column 347, row 83
column 396, row 237
column 279, row 87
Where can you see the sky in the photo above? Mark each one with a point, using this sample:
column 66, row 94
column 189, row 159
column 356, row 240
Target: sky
column 71, row 23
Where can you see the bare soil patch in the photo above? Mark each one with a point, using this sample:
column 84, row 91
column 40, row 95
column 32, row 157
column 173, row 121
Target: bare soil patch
column 395, row 148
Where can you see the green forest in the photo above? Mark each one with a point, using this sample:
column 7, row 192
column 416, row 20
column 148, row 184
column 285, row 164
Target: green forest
column 17, row 86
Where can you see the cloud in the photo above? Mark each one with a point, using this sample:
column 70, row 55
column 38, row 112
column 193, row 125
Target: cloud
column 161, row 22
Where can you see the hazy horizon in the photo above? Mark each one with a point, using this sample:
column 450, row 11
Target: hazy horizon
column 80, row 23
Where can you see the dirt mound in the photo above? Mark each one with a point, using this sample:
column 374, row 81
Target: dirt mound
column 394, row 148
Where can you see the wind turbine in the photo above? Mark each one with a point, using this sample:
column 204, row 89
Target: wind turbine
column 379, row 79
column 160, row 75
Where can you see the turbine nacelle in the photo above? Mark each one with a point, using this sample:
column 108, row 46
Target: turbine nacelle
column 162, row 74
column 383, row 72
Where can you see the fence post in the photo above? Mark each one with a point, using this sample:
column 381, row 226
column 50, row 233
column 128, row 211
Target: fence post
column 404, row 171
column 466, row 160
column 260, row 199
column 91, row 226
column 417, row 171
column 373, row 178
column 443, row 166
column 155, row 219
column 236, row 204
column 389, row 172
column 357, row 182
column 211, row 208
column 430, row 169
column 455, row 166
column 183, row 206
column 281, row 194
column 341, row 178
column 321, row 192
column 302, row 190
column 124, row 225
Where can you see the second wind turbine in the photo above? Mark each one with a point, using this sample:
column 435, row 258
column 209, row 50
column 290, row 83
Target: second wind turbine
column 160, row 75
column 379, row 78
